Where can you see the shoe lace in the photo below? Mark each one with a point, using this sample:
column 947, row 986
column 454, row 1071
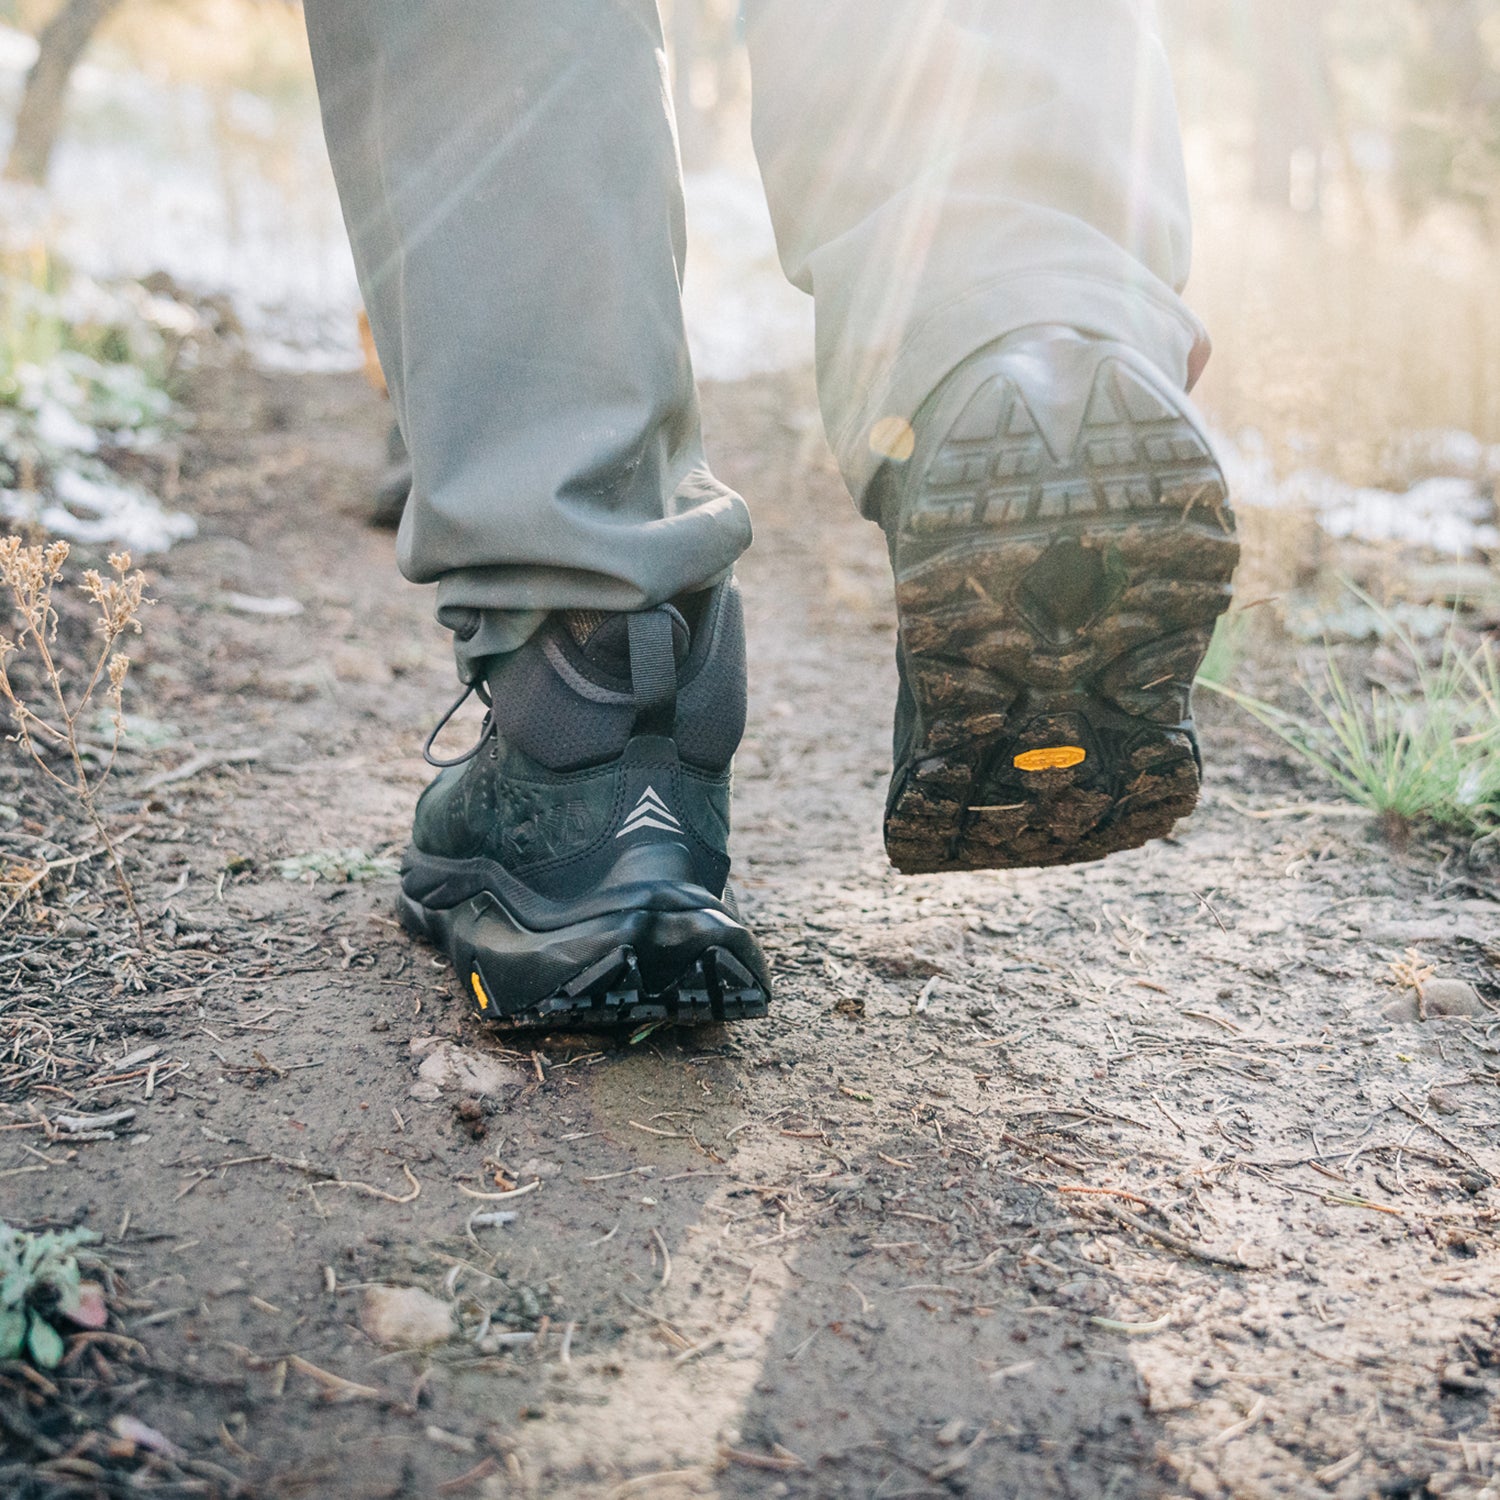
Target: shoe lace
column 653, row 672
column 475, row 689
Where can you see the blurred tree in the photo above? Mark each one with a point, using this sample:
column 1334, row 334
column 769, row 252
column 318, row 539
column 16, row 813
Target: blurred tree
column 60, row 45
column 1448, row 143
column 703, row 37
column 1289, row 55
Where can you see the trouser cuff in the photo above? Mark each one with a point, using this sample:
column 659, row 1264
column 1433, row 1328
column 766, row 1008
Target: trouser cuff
column 1161, row 329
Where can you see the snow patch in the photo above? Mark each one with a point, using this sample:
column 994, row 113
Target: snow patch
column 1449, row 513
column 101, row 510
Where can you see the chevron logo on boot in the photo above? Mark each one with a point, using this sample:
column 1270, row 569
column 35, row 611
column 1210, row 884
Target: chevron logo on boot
column 650, row 812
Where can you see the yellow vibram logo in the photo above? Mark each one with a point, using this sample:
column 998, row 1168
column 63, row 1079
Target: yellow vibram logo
column 480, row 993
column 1055, row 758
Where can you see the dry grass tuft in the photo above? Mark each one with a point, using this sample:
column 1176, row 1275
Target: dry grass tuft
column 31, row 574
column 1424, row 754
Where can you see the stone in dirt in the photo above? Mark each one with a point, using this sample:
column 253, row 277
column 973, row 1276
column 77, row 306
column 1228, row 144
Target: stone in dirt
column 916, row 950
column 1439, row 1000
column 448, row 1066
column 405, row 1317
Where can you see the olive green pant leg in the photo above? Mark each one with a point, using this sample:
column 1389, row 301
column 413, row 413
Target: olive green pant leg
column 510, row 182
column 943, row 172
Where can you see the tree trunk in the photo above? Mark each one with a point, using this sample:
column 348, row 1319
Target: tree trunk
column 1291, row 111
column 60, row 45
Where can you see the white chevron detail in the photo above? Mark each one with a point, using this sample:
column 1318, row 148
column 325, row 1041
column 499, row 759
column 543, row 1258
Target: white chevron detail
column 650, row 812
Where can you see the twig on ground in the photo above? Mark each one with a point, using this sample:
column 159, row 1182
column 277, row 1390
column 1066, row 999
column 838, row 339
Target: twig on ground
column 375, row 1192
column 780, row 1462
column 469, row 1192
column 1239, row 1429
column 335, row 1387
column 1174, row 1241
column 666, row 1255
column 194, row 765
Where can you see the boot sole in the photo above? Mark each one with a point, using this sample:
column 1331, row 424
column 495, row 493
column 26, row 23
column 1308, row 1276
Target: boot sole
column 1054, row 610
column 692, row 967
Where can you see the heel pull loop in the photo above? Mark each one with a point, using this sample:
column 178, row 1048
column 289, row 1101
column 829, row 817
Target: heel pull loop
column 653, row 671
column 480, row 691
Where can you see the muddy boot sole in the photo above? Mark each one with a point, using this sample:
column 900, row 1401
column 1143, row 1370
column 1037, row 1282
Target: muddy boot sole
column 1058, row 574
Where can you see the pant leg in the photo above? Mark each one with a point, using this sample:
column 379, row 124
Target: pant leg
column 944, row 172
column 509, row 177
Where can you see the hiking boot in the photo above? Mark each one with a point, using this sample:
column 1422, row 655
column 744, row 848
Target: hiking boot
column 574, row 867
column 1062, row 544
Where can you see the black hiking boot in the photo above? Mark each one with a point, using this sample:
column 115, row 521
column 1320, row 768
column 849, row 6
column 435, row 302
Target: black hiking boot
column 1062, row 544
column 574, row 867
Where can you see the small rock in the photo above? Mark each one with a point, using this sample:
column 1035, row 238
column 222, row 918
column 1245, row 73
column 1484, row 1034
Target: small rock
column 137, row 1434
column 447, row 1066
column 1451, row 997
column 950, row 1433
column 915, row 950
column 279, row 607
column 537, row 1166
column 425, row 1093
column 405, row 1316
column 1403, row 1009
column 1442, row 1101
column 1439, row 1000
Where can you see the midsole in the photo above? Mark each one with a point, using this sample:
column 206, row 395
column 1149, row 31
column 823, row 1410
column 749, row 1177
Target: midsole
column 518, row 967
column 437, row 883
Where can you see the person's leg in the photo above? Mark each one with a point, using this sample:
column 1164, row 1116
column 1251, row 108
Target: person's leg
column 943, row 172
column 510, row 182
column 987, row 200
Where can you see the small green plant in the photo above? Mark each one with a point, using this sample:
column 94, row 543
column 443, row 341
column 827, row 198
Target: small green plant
column 30, row 574
column 1225, row 650
column 337, row 866
column 1426, row 754
column 40, row 1286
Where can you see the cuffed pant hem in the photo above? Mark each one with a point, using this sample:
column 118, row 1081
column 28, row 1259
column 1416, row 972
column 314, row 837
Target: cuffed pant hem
column 1153, row 323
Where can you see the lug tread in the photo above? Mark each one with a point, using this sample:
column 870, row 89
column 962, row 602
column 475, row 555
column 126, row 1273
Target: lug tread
column 1128, row 546
column 612, row 993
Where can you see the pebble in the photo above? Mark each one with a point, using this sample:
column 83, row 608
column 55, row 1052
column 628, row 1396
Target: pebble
column 1451, row 997
column 446, row 1066
column 1441, row 1000
column 405, row 1316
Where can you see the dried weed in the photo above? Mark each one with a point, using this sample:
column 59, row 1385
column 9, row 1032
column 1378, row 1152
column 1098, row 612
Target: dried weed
column 31, row 574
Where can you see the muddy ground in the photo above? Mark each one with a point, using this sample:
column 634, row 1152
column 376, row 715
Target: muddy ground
column 1115, row 1181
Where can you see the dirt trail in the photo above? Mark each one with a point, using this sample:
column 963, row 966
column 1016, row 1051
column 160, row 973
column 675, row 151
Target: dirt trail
column 1112, row 1181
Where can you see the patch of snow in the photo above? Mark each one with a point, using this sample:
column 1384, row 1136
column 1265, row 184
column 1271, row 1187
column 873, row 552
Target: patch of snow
column 1453, row 514
column 229, row 194
column 17, row 50
column 57, row 427
column 101, row 510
